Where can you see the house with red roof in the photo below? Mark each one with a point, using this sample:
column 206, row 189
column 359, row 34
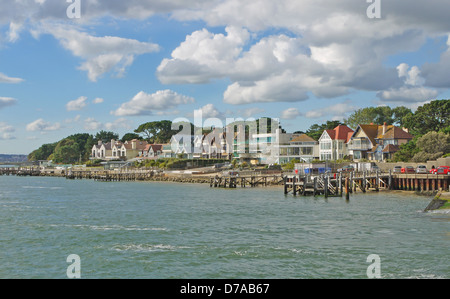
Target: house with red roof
column 377, row 142
column 333, row 144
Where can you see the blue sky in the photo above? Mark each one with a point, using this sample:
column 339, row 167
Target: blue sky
column 123, row 63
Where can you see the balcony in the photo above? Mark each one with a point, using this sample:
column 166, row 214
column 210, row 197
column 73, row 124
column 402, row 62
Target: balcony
column 360, row 145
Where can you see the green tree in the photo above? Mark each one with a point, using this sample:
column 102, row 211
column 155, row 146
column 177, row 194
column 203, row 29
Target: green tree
column 106, row 136
column 315, row 131
column 67, row 151
column 375, row 115
column 406, row 152
column 399, row 113
column 434, row 116
column 157, row 131
column 130, row 136
column 42, row 153
column 432, row 146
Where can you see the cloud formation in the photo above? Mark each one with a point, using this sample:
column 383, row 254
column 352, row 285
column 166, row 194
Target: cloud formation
column 41, row 125
column 145, row 104
column 11, row 80
column 77, row 104
column 100, row 54
column 5, row 131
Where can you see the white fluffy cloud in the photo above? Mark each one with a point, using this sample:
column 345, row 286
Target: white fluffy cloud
column 91, row 124
column 101, row 54
column 98, row 101
column 210, row 111
column 77, row 104
column 145, row 104
column 412, row 90
column 5, row 131
column 331, row 49
column 290, row 113
column 325, row 48
column 6, row 79
column 203, row 56
column 336, row 112
column 41, row 125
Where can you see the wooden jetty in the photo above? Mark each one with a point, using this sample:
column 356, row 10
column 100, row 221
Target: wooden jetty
column 347, row 183
column 245, row 181
column 20, row 171
column 111, row 175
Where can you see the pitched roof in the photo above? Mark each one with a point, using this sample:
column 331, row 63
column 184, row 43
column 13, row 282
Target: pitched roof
column 371, row 131
column 391, row 148
column 341, row 132
column 140, row 145
column 396, row 133
column 331, row 133
column 156, row 147
column 374, row 132
column 303, row 138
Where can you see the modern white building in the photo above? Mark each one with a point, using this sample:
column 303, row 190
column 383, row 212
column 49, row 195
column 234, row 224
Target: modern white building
column 301, row 147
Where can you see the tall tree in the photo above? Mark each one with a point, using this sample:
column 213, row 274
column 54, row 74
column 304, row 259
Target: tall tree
column 106, row 136
column 399, row 113
column 67, row 151
column 432, row 146
column 157, row 131
column 130, row 136
column 316, row 130
column 42, row 153
column 434, row 116
column 375, row 115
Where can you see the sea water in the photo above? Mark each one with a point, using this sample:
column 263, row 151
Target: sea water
column 169, row 230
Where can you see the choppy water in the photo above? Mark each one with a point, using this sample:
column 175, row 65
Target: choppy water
column 164, row 230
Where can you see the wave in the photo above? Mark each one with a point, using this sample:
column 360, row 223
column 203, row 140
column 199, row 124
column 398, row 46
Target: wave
column 111, row 227
column 147, row 247
column 41, row 187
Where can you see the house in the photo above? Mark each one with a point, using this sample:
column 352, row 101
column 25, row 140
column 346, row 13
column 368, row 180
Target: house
column 300, row 147
column 333, row 144
column 117, row 150
column 377, row 142
column 259, row 148
column 152, row 151
column 103, row 151
column 182, row 144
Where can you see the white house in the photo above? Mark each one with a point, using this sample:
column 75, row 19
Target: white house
column 333, row 144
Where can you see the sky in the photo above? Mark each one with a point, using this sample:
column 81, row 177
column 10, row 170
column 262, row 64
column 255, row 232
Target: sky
column 81, row 66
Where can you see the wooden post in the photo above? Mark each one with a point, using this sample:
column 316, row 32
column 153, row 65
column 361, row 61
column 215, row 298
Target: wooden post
column 377, row 183
column 294, row 190
column 390, row 180
column 347, row 193
column 340, row 183
column 363, row 183
column 326, row 180
column 285, row 185
column 315, row 187
column 351, row 182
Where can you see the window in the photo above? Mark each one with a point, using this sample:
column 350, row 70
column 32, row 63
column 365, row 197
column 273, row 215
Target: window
column 306, row 151
column 325, row 145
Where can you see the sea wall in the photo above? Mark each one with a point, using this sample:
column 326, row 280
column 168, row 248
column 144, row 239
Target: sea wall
column 438, row 201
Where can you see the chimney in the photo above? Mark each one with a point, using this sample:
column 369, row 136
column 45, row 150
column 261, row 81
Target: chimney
column 133, row 144
column 100, row 142
column 384, row 129
column 113, row 142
